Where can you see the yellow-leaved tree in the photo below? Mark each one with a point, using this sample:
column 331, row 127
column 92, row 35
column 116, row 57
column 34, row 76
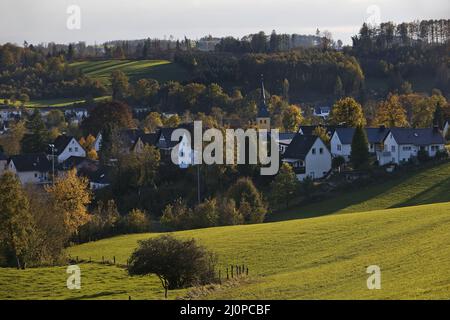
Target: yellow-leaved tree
column 391, row 113
column 70, row 196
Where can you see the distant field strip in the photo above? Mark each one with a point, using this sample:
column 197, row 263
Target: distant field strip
column 161, row 70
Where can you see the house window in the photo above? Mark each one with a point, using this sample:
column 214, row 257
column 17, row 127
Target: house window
column 407, row 148
column 70, row 149
column 314, row 151
column 35, row 175
column 393, row 148
column 321, row 150
column 76, row 149
column 339, row 147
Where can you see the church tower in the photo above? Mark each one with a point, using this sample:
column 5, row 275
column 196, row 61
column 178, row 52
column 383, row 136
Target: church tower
column 263, row 117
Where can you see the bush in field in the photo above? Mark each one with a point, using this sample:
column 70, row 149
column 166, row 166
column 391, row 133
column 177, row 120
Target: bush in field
column 177, row 216
column 136, row 221
column 177, row 263
column 249, row 200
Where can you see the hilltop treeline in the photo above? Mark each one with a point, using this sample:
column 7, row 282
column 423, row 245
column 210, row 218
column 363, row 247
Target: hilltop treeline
column 27, row 73
column 308, row 69
column 397, row 52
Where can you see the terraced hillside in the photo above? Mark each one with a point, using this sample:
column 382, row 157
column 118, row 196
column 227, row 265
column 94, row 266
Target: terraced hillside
column 161, row 70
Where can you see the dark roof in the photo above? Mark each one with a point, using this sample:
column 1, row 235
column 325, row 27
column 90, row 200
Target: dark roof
column 418, row 137
column 167, row 133
column 345, row 135
column 374, row 135
column 3, row 156
column 300, row 146
column 150, row 138
column 286, row 135
column 102, row 175
column 31, row 162
column 377, row 135
column 76, row 162
column 130, row 136
column 309, row 130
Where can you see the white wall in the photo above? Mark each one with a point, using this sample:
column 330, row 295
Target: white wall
column 404, row 152
column 73, row 149
column 30, row 177
column 98, row 142
column 318, row 164
column 344, row 151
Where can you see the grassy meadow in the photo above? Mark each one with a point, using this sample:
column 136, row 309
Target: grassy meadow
column 161, row 70
column 423, row 186
column 320, row 258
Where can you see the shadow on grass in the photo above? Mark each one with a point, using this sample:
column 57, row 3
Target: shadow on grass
column 340, row 201
column 436, row 194
column 99, row 295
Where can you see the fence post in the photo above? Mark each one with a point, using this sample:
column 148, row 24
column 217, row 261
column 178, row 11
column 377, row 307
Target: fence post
column 247, row 271
column 220, row 278
column 227, row 275
column 232, row 271
column 114, row 259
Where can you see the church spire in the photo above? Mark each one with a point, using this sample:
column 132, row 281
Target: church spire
column 262, row 108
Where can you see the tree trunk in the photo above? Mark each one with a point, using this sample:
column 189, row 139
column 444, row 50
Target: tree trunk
column 18, row 263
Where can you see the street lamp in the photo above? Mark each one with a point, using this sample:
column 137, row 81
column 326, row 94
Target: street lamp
column 52, row 146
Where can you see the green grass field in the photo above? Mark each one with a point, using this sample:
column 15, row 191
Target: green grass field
column 62, row 102
column 320, row 258
column 420, row 187
column 160, row 70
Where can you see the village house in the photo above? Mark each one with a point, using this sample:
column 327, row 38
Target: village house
column 9, row 113
column 309, row 130
column 284, row 140
column 341, row 141
column 309, row 157
column 76, row 115
column 322, row 112
column 65, row 147
column 31, row 168
column 403, row 144
column 162, row 140
column 98, row 179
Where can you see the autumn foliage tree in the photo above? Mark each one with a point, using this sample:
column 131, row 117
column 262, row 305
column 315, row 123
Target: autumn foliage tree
column 16, row 223
column 69, row 196
column 106, row 114
column 291, row 118
column 347, row 112
column 391, row 113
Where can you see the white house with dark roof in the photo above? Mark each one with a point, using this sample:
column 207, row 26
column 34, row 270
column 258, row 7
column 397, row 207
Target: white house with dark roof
column 403, row 144
column 66, row 147
column 309, row 157
column 31, row 168
column 341, row 141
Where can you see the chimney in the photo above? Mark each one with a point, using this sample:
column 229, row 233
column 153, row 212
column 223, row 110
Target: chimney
column 436, row 129
column 382, row 128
